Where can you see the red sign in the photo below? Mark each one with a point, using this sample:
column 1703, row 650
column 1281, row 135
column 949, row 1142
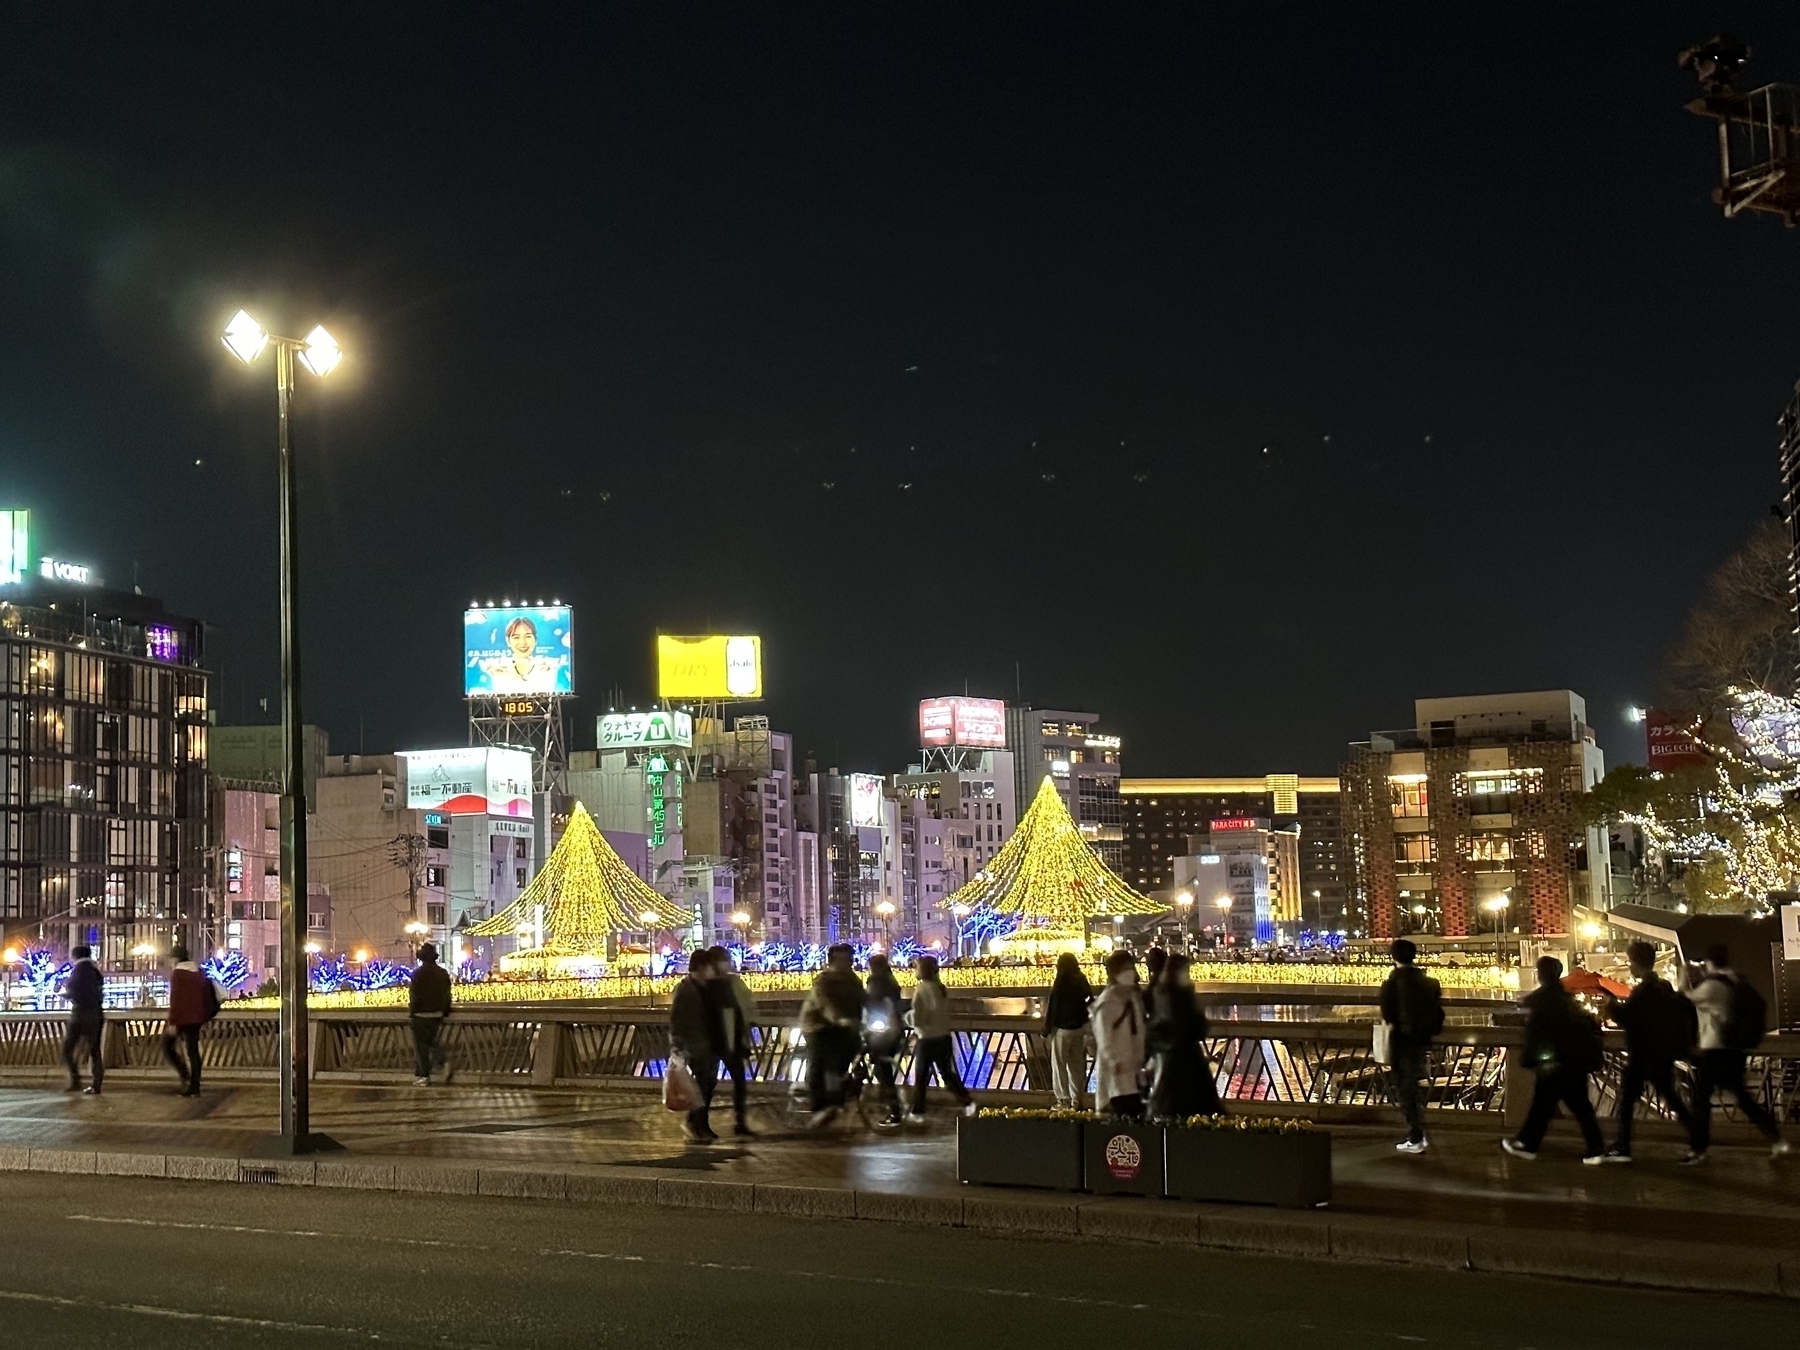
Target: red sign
column 1124, row 1159
column 1670, row 743
column 1233, row 823
column 979, row 723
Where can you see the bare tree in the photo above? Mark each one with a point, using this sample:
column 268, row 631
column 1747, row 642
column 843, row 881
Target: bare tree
column 1742, row 633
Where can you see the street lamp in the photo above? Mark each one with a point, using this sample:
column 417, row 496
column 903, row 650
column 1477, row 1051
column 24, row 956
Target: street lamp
column 1184, row 901
column 416, row 930
column 886, row 910
column 318, row 351
column 959, row 913
column 1497, row 907
column 740, row 920
column 1224, row 904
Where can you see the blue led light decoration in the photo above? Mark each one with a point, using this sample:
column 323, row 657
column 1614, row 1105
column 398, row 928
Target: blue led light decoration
column 230, row 970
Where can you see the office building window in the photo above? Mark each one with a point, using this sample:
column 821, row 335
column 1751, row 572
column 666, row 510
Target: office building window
column 1410, row 798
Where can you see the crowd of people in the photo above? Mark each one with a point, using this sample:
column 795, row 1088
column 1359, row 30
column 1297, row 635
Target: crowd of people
column 1712, row 1024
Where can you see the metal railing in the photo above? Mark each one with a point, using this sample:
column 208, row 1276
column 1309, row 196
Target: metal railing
column 1311, row 1068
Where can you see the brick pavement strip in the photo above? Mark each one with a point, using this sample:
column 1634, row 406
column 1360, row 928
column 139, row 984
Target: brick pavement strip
column 1658, row 1263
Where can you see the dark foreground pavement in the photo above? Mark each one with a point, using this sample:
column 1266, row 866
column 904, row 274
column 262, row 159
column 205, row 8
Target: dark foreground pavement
column 112, row 1261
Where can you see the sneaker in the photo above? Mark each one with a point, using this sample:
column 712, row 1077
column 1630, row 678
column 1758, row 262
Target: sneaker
column 1692, row 1156
column 969, row 1108
column 1593, row 1159
column 1780, row 1149
column 1613, row 1155
column 915, row 1117
column 1518, row 1150
column 1411, row 1146
column 91, row 1091
column 421, row 1082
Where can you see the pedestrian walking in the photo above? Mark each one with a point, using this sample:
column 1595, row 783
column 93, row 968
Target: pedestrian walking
column 737, row 1014
column 85, row 990
column 1660, row 1027
column 1066, row 1028
column 936, row 1048
column 696, row 1033
column 883, row 1031
column 831, row 1022
column 1412, row 1005
column 1733, row 1019
column 193, row 1002
column 1118, row 1021
column 1182, row 1083
column 428, row 1007
column 1562, row 1045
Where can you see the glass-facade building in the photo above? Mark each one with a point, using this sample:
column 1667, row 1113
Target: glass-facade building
column 103, row 792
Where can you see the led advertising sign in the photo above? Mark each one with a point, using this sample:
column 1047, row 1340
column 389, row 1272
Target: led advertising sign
column 617, row 731
column 865, row 800
column 1232, row 823
column 977, row 723
column 1669, row 740
column 708, row 667
column 470, row 780
column 523, row 649
column 55, row 569
column 15, row 546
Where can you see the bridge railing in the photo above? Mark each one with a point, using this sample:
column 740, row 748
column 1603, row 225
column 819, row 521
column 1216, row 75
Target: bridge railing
column 1308, row 1068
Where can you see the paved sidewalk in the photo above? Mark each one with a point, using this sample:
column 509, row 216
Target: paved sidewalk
column 1731, row 1224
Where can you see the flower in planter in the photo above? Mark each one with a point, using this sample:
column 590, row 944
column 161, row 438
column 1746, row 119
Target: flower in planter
column 1030, row 1113
column 1246, row 1124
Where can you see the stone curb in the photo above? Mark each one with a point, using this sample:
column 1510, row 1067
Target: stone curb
column 1647, row 1263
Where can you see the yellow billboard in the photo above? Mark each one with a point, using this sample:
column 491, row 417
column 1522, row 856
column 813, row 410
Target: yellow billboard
column 708, row 667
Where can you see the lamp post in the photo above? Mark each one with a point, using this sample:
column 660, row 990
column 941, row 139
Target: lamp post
column 886, row 910
column 1184, row 901
column 1224, row 904
column 318, row 351
column 1497, row 907
column 958, row 913
column 416, row 930
column 740, row 920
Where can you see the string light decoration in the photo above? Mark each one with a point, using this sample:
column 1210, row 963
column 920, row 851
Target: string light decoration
column 581, row 901
column 1048, row 876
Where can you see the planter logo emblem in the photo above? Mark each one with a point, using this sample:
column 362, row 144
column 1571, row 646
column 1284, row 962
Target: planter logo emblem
column 1124, row 1159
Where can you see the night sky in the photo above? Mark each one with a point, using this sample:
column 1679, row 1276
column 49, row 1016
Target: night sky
column 1239, row 378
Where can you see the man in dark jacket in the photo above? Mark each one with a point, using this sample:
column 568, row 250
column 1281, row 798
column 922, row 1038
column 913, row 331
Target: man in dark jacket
column 831, row 1021
column 87, row 1018
column 428, row 1004
column 1412, row 1004
column 697, row 1034
column 1562, row 1044
column 1660, row 1028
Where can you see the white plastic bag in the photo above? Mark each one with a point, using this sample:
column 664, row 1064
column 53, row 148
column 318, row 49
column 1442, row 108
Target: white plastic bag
column 1382, row 1046
column 681, row 1092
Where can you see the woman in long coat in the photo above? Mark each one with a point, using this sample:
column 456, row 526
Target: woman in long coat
column 1117, row 1018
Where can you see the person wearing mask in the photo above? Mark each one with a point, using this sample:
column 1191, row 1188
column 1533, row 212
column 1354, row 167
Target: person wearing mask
column 1118, row 1021
column 1562, row 1045
column 85, row 991
column 193, row 1002
column 696, row 1034
column 1412, row 1004
column 930, row 1021
column 427, row 1006
column 1732, row 1020
column 1066, row 1028
column 1183, row 1083
column 737, row 1014
column 831, row 1021
column 883, row 1031
column 1660, row 1027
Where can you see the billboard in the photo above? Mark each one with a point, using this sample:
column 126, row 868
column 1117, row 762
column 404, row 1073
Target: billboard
column 978, row 723
column 865, row 800
column 708, row 667
column 15, row 546
column 523, row 649
column 470, row 780
column 1669, row 740
column 618, row 731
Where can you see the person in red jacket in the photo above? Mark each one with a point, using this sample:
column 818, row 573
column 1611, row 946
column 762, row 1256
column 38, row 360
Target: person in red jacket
column 193, row 1002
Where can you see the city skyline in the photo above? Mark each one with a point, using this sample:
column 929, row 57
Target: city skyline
column 756, row 340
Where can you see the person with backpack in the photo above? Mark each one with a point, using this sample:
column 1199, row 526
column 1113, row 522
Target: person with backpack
column 1563, row 1046
column 1660, row 1028
column 193, row 1002
column 1733, row 1018
column 1412, row 1005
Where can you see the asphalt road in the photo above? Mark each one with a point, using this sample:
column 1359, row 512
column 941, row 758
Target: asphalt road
column 92, row 1262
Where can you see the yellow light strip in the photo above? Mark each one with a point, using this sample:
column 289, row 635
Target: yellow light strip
column 1195, row 787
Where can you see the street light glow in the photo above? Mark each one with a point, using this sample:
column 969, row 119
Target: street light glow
column 245, row 338
column 321, row 353
column 648, row 918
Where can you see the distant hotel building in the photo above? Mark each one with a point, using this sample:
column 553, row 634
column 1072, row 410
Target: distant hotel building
column 1169, row 819
column 1468, row 822
column 1069, row 749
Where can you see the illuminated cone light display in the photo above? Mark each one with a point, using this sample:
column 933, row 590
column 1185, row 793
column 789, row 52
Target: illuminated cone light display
column 572, row 914
column 1049, row 876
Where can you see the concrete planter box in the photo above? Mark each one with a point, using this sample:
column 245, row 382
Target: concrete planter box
column 1123, row 1157
column 1250, row 1167
column 997, row 1152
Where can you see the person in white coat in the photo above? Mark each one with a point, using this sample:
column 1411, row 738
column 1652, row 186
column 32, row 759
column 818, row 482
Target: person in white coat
column 1117, row 1017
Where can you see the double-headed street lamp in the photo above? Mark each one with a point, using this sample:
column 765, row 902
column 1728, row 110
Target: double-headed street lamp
column 318, row 351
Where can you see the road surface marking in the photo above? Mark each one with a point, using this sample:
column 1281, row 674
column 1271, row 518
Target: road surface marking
column 217, row 1319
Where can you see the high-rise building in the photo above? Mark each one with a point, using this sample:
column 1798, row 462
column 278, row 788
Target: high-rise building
column 103, row 743
column 1070, row 749
column 1468, row 822
column 962, row 818
column 1242, row 877
column 739, row 808
column 1162, row 814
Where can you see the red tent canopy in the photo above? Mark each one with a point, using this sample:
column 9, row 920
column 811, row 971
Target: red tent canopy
column 1587, row 982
